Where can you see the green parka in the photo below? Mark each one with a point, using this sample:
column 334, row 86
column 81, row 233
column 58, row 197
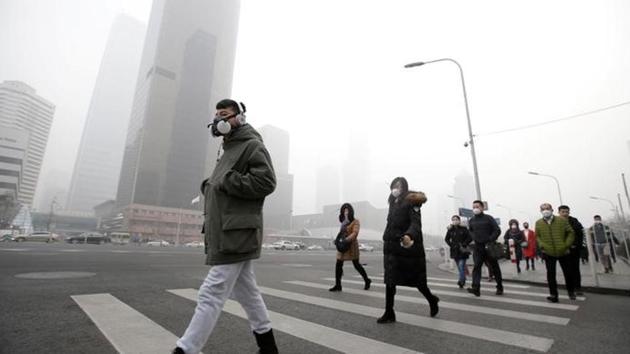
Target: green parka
column 234, row 198
column 556, row 238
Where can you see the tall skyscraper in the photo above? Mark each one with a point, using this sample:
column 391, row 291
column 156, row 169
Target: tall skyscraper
column 97, row 168
column 13, row 143
column 186, row 67
column 21, row 108
column 279, row 205
column 356, row 171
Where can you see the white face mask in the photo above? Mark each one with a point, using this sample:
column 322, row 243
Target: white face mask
column 476, row 211
column 547, row 214
column 513, row 227
column 395, row 192
column 456, row 222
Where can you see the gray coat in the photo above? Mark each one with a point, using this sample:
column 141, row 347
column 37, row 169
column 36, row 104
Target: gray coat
column 234, row 198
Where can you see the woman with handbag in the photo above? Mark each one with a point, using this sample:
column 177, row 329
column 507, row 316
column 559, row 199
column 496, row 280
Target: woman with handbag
column 349, row 231
column 517, row 237
column 403, row 250
column 458, row 238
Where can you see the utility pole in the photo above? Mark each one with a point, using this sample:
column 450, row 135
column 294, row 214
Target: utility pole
column 623, row 216
column 625, row 187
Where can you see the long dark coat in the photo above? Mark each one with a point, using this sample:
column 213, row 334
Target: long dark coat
column 404, row 266
column 457, row 237
column 518, row 238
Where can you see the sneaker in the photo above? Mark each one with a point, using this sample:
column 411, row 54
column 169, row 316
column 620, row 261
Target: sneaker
column 499, row 291
column 553, row 299
column 388, row 317
column 474, row 291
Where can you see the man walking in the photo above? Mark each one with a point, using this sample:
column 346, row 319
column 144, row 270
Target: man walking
column 555, row 238
column 484, row 230
column 603, row 238
column 234, row 197
column 576, row 249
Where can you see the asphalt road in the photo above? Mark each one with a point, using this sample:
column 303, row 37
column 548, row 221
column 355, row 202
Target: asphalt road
column 63, row 298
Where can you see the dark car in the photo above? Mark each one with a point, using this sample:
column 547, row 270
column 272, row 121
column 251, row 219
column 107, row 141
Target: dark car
column 89, row 237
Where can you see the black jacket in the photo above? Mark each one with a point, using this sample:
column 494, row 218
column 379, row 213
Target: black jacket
column 518, row 238
column 404, row 266
column 578, row 229
column 457, row 237
column 483, row 229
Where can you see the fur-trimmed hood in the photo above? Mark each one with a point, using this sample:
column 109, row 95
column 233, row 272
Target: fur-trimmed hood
column 416, row 198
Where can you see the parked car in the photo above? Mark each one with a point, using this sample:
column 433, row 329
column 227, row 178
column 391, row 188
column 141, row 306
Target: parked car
column 365, row 247
column 39, row 236
column 300, row 244
column 194, row 244
column 285, row 245
column 7, row 238
column 268, row 246
column 160, row 243
column 315, row 248
column 89, row 237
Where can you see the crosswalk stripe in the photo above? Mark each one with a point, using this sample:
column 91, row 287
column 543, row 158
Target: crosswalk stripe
column 128, row 330
column 466, row 295
column 442, row 280
column 450, row 305
column 71, row 250
column 329, row 337
column 540, row 344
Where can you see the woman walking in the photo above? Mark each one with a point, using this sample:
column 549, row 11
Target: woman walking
column 350, row 227
column 529, row 251
column 518, row 239
column 458, row 238
column 403, row 249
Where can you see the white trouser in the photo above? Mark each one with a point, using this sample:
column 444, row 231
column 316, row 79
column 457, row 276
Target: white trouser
column 236, row 281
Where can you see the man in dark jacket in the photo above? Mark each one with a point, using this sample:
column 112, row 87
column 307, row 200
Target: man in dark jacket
column 576, row 249
column 234, row 197
column 484, row 230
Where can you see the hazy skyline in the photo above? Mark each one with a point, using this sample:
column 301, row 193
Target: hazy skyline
column 324, row 71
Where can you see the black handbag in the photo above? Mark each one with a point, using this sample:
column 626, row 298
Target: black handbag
column 340, row 242
column 495, row 250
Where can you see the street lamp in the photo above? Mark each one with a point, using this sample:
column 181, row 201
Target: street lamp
column 471, row 140
column 550, row 176
column 612, row 205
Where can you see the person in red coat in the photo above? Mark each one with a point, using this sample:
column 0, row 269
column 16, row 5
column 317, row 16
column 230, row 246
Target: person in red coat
column 529, row 251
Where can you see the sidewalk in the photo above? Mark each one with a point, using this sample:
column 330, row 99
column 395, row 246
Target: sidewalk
column 617, row 282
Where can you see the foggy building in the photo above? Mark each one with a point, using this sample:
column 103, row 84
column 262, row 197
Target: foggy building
column 356, row 171
column 186, row 67
column 13, row 143
column 97, row 168
column 327, row 186
column 21, row 108
column 279, row 205
column 464, row 190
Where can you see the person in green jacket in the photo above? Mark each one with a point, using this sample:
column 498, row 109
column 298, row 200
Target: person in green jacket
column 234, row 196
column 555, row 237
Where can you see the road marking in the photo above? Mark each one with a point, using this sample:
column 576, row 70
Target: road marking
column 71, row 250
column 493, row 289
column 15, row 249
column 449, row 305
column 128, row 330
column 120, row 251
column 521, row 340
column 493, row 298
column 325, row 336
column 296, row 265
column 454, row 280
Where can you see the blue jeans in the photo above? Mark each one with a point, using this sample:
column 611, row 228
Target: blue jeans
column 461, row 266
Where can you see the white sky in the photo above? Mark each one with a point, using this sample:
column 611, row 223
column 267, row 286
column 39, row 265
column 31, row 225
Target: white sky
column 327, row 71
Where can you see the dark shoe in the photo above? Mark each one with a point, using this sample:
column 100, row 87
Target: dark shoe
column 388, row 317
column 461, row 284
column 553, row 299
column 335, row 288
column 266, row 343
column 474, row 291
column 499, row 291
column 368, row 282
column 178, row 350
column 579, row 293
column 572, row 296
column 434, row 306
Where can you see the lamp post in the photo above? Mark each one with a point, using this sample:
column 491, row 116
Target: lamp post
column 471, row 140
column 550, row 176
column 612, row 205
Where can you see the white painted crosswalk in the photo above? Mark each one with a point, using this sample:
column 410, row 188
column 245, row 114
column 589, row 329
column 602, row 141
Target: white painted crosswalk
column 129, row 331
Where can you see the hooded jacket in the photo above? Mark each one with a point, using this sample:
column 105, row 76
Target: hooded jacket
column 234, row 197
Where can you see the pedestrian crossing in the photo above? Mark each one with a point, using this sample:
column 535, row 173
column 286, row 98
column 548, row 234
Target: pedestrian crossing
column 129, row 331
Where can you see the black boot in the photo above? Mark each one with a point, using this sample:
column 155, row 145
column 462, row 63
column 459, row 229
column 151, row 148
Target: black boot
column 338, row 274
column 266, row 343
column 178, row 350
column 389, row 316
column 474, row 291
column 361, row 271
column 434, row 306
column 432, row 299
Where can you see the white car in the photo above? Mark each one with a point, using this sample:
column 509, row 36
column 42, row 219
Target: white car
column 160, row 243
column 315, row 248
column 285, row 245
column 364, row 247
column 39, row 236
column 268, row 246
column 194, row 244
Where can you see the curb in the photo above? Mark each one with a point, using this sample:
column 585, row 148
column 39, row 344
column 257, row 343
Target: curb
column 589, row 289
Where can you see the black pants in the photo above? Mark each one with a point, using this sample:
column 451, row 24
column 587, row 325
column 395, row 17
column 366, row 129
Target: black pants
column 533, row 262
column 574, row 257
column 339, row 270
column 390, row 293
column 480, row 256
column 565, row 264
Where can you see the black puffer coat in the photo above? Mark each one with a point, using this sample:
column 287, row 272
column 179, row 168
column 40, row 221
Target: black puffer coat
column 404, row 266
column 457, row 237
